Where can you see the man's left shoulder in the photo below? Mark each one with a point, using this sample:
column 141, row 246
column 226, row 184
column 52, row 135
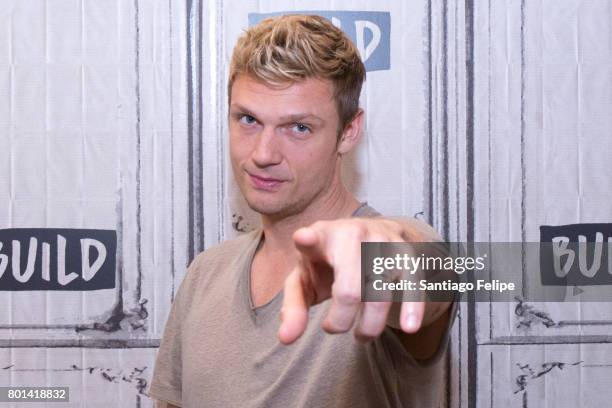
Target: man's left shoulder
column 423, row 230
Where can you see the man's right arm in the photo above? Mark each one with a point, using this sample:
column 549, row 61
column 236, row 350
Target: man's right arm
column 166, row 384
column 167, row 374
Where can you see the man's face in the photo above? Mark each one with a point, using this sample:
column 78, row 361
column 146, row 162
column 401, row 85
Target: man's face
column 283, row 143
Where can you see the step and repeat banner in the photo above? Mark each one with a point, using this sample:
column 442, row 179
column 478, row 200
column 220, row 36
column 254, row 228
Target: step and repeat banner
column 114, row 169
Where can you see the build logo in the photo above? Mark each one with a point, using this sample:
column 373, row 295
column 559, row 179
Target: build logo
column 57, row 259
column 369, row 30
column 576, row 254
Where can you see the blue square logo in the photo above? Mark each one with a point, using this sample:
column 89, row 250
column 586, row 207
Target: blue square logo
column 370, row 31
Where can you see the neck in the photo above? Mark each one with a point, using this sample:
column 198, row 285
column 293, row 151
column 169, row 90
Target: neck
column 337, row 203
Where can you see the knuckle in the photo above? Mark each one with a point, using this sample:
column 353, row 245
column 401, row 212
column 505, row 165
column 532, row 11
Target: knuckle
column 347, row 296
column 377, row 237
column 355, row 229
column 368, row 333
column 378, row 307
column 333, row 327
column 364, row 337
column 395, row 227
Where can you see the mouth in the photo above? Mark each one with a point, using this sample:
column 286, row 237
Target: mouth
column 265, row 183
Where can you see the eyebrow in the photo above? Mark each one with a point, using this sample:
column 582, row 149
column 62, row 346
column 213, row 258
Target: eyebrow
column 297, row 117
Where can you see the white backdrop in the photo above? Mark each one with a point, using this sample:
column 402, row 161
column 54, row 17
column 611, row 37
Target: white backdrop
column 487, row 119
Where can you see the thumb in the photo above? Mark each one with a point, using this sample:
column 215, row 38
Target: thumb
column 309, row 242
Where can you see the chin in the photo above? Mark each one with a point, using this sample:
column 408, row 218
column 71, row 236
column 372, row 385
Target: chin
column 272, row 208
column 269, row 209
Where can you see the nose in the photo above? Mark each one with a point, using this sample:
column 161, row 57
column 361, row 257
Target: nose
column 266, row 151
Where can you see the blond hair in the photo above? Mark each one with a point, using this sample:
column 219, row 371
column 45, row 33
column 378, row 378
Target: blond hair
column 291, row 48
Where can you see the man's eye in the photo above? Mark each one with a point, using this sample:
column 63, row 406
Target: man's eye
column 300, row 128
column 247, row 119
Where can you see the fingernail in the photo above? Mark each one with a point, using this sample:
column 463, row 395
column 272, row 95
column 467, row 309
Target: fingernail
column 411, row 322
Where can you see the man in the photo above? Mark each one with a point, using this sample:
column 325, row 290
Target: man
column 294, row 113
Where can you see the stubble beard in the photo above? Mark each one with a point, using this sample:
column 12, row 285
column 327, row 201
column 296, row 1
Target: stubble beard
column 279, row 210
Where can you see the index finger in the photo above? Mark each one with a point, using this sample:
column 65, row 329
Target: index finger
column 294, row 312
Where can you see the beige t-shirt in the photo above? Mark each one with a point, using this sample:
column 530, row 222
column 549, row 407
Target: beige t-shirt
column 220, row 351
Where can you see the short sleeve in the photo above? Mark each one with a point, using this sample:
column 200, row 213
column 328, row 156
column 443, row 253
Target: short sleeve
column 437, row 355
column 166, row 384
column 397, row 352
column 426, row 233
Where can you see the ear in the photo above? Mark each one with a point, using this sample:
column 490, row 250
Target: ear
column 351, row 133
